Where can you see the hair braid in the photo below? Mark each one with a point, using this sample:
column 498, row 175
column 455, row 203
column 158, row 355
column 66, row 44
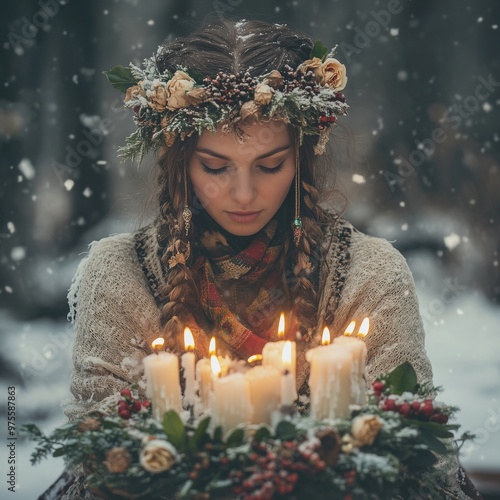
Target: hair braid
column 179, row 293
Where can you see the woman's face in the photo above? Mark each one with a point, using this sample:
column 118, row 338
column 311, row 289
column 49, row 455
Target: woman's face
column 242, row 186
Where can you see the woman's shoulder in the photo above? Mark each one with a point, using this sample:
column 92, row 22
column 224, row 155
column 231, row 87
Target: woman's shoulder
column 112, row 250
column 374, row 252
column 363, row 249
column 110, row 267
column 366, row 261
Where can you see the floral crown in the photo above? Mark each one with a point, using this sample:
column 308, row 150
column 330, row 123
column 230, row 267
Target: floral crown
column 168, row 104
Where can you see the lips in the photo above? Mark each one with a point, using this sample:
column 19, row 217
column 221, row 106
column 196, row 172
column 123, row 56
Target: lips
column 243, row 216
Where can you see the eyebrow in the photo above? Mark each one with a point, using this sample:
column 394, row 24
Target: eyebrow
column 265, row 155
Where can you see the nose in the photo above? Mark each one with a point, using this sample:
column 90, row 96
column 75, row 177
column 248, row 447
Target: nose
column 243, row 190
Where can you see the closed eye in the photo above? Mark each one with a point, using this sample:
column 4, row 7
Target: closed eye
column 266, row 170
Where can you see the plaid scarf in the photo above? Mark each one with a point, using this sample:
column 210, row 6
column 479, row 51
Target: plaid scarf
column 241, row 291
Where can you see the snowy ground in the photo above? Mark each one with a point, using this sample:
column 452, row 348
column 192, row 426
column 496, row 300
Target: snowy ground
column 462, row 342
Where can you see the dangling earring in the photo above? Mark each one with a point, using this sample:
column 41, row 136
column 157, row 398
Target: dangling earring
column 181, row 257
column 187, row 215
column 297, row 221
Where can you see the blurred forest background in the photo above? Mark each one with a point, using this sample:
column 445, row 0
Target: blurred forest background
column 419, row 161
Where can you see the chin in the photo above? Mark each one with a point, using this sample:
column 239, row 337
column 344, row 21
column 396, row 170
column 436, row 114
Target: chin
column 244, row 230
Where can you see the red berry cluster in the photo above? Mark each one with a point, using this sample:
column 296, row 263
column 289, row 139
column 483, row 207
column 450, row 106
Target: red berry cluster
column 421, row 410
column 129, row 405
column 275, row 472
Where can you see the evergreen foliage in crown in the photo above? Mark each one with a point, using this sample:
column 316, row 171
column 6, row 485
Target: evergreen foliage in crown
column 167, row 104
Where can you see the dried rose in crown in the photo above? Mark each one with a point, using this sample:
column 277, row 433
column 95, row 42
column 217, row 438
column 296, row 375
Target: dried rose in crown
column 177, row 89
column 263, row 94
column 315, row 65
column 274, row 79
column 334, row 74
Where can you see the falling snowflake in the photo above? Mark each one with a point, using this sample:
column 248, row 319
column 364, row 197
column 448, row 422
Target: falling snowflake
column 18, row 253
column 402, row 75
column 451, row 241
column 358, row 179
column 26, row 168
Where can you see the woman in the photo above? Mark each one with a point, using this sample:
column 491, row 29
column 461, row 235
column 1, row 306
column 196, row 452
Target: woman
column 240, row 236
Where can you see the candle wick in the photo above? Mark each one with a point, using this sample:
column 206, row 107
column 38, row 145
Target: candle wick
column 286, row 372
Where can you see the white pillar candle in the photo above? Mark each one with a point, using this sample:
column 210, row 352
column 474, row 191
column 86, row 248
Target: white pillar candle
column 288, row 389
column 188, row 360
column 330, row 381
column 231, row 404
column 272, row 355
column 163, row 384
column 357, row 348
column 204, row 378
column 264, row 385
column 225, row 363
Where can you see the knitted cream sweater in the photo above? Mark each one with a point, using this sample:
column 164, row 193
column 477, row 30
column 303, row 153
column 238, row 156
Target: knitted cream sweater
column 116, row 316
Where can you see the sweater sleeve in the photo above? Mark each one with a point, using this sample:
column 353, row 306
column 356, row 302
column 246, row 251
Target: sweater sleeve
column 114, row 318
column 380, row 285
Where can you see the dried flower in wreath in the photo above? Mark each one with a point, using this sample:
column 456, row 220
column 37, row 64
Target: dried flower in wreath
column 170, row 104
column 158, row 455
column 117, row 460
column 364, row 429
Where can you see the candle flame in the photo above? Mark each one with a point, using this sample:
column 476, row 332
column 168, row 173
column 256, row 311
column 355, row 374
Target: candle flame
column 286, row 356
column 350, row 329
column 363, row 329
column 325, row 339
column 254, row 358
column 211, row 347
column 157, row 344
column 188, row 339
column 281, row 327
column 214, row 362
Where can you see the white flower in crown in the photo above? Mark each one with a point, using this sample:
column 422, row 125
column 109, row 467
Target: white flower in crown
column 177, row 89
